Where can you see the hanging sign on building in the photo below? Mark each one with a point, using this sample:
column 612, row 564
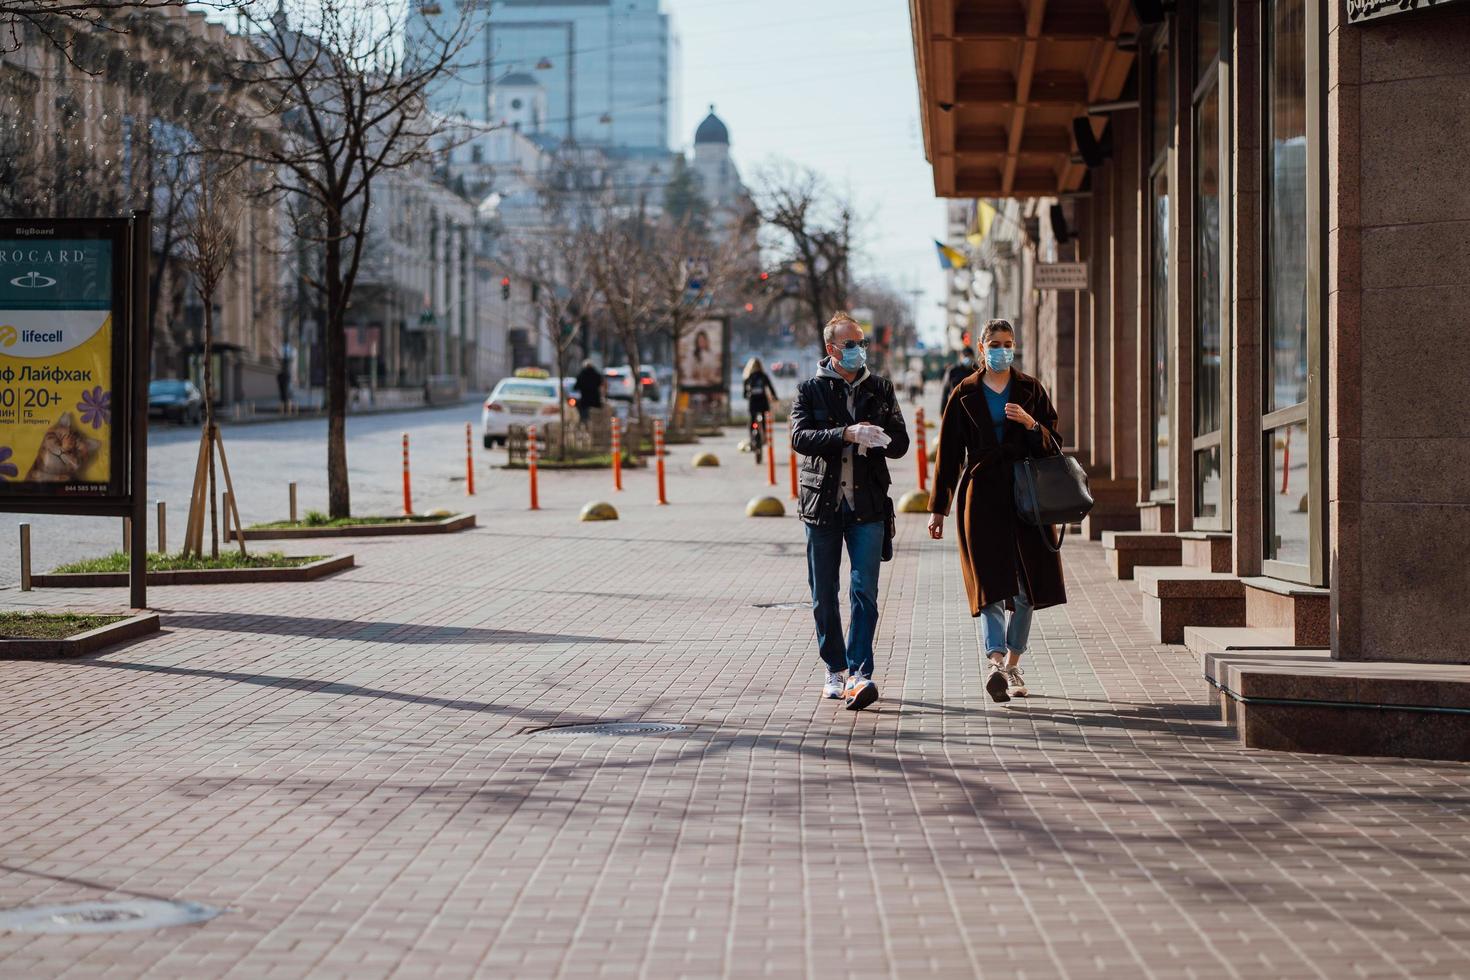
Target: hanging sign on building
column 64, row 385
column 1060, row 275
column 1359, row 11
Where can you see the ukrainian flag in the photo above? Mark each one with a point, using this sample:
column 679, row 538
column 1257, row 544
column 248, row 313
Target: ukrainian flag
column 950, row 258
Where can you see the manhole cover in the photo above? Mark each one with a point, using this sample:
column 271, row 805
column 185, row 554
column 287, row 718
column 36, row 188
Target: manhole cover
column 783, row 605
column 611, row 728
column 136, row 913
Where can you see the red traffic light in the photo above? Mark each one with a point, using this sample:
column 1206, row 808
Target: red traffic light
column 505, row 281
column 765, row 276
column 750, row 307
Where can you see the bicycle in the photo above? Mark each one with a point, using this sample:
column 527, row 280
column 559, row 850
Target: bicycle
column 758, row 436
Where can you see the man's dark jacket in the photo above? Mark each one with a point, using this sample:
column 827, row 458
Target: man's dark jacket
column 818, row 417
column 589, row 387
column 952, row 378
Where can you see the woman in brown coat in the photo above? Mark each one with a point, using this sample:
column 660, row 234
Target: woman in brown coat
column 996, row 416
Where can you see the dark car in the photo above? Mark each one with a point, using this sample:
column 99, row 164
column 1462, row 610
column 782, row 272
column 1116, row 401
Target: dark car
column 176, row 400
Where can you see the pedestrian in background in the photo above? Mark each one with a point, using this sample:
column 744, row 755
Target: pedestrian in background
column 997, row 416
column 957, row 373
column 589, row 385
column 760, row 393
column 914, row 381
column 846, row 423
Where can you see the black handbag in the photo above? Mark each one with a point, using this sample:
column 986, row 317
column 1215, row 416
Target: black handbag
column 1051, row 490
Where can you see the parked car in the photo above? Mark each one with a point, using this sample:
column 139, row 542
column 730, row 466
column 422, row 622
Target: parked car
column 519, row 401
column 175, row 399
column 620, row 391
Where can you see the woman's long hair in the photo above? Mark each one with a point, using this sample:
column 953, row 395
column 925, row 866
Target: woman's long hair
column 751, row 367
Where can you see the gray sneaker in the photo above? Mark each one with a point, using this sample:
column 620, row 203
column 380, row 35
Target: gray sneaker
column 996, row 683
column 1016, row 686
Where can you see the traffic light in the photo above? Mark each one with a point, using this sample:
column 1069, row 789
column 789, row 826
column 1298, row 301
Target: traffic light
column 505, row 288
column 764, row 281
column 750, row 307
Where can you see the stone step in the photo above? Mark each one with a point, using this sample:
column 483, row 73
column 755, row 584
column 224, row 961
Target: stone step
column 1206, row 550
column 1339, row 707
column 1126, row 550
column 1223, row 639
column 1156, row 515
column 1303, row 612
column 1174, row 598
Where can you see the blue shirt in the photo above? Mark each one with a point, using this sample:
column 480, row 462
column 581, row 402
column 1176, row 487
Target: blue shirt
column 996, row 402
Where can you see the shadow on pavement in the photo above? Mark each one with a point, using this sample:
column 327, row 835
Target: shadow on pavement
column 370, row 631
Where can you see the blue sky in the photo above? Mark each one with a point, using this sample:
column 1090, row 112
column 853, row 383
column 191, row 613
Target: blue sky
column 829, row 84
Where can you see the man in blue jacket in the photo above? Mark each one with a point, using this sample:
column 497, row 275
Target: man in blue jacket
column 846, row 424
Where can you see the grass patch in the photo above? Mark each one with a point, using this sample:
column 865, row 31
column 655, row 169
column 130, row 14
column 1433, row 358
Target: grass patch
column 315, row 518
column 602, row 461
column 49, row 626
column 120, row 562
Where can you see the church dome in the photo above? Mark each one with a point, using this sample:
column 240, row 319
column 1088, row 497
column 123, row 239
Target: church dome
column 712, row 130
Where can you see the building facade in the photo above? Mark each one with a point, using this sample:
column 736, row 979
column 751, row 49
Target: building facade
column 609, row 70
column 1260, row 372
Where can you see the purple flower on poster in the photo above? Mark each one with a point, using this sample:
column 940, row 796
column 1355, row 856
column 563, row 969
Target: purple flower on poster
column 96, row 407
column 7, row 468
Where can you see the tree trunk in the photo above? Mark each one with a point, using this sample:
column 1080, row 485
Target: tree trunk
column 339, row 501
column 676, row 333
column 209, row 434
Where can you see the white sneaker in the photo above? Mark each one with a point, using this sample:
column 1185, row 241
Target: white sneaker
column 834, row 686
column 1015, row 687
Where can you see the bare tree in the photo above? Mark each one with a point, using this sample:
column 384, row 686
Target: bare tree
column 58, row 21
column 348, row 79
column 692, row 273
column 616, row 249
column 210, row 233
column 811, row 228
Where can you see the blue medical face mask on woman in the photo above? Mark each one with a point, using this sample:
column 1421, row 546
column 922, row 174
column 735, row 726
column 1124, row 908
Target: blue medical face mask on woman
column 999, row 358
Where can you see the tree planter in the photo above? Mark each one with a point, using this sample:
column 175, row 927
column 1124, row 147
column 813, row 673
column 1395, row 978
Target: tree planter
column 457, row 522
column 81, row 644
column 307, row 572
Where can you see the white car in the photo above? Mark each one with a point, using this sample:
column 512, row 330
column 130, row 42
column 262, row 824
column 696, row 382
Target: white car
column 519, row 401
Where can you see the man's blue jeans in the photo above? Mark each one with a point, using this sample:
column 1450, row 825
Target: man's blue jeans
column 824, row 565
column 997, row 635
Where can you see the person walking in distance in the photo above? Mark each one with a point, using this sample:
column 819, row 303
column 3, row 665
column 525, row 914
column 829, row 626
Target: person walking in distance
column 760, row 393
column 957, row 373
column 846, row 424
column 996, row 416
column 589, row 389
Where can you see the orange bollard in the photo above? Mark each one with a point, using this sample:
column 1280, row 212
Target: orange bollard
column 790, row 431
column 658, row 452
column 532, row 456
column 770, row 453
column 923, row 450
column 407, row 489
column 617, row 453
column 469, row 460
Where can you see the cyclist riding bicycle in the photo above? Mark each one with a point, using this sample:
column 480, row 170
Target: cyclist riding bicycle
column 760, row 394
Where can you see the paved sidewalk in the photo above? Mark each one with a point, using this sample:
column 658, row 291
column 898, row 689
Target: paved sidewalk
column 346, row 770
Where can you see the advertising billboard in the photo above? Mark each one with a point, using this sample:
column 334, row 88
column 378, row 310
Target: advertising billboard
column 64, row 382
column 702, row 355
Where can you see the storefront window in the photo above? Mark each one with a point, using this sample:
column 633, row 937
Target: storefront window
column 1208, row 490
column 1288, row 508
column 1207, row 35
column 1207, row 347
column 1159, row 328
column 1162, row 118
column 1286, row 439
column 1286, row 206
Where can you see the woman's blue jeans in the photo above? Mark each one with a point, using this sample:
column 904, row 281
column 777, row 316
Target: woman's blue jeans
column 824, row 566
column 997, row 635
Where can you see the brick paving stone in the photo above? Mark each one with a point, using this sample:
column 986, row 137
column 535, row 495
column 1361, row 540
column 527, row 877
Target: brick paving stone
column 345, row 769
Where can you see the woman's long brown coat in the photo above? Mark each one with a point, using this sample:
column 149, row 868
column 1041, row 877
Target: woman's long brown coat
column 997, row 551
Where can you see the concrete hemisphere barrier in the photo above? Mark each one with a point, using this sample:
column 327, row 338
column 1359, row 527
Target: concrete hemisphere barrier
column 598, row 510
column 765, row 507
column 706, row 459
column 914, row 502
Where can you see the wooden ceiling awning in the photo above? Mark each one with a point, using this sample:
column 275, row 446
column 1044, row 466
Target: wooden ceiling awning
column 1000, row 82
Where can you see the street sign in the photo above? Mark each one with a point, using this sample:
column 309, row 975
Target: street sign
column 1060, row 275
column 74, row 372
column 1359, row 11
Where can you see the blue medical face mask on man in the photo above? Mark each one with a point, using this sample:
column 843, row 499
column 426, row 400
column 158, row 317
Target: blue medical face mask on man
column 853, row 358
column 999, row 358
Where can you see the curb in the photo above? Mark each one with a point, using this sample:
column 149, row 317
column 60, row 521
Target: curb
column 309, row 572
column 82, row 644
column 458, row 522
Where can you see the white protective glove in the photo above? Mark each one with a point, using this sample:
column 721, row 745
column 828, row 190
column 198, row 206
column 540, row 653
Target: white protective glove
column 868, row 436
